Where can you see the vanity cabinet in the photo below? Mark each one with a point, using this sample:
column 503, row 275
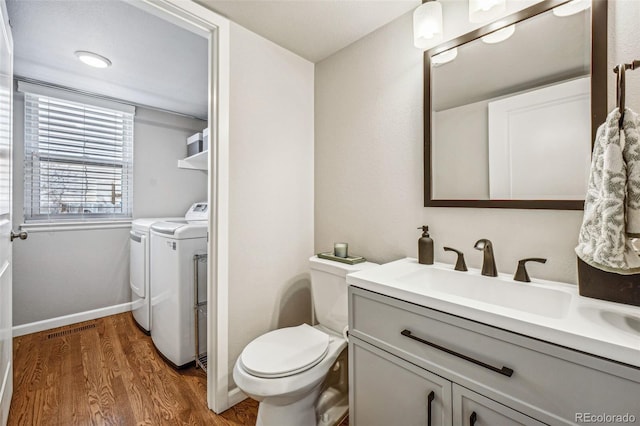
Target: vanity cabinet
column 400, row 352
column 395, row 392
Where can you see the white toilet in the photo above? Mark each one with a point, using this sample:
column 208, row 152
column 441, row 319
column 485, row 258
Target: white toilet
column 286, row 369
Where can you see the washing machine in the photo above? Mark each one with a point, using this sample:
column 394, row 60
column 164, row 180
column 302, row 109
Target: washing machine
column 173, row 247
column 140, row 270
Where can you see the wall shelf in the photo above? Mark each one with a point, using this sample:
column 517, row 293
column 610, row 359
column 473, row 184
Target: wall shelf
column 195, row 162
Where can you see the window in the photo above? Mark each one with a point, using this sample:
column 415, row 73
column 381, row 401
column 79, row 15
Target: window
column 78, row 159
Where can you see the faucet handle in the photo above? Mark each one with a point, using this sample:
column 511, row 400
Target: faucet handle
column 460, row 264
column 521, row 273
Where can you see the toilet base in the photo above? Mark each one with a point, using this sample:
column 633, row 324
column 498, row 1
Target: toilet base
column 334, row 414
column 303, row 412
column 327, row 404
column 332, row 405
column 300, row 413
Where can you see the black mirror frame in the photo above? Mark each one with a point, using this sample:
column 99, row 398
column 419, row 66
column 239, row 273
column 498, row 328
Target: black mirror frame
column 598, row 100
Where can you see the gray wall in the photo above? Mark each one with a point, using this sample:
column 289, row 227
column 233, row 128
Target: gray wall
column 369, row 166
column 271, row 189
column 58, row 273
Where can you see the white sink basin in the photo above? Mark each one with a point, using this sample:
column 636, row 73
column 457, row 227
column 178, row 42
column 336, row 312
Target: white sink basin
column 500, row 291
column 545, row 310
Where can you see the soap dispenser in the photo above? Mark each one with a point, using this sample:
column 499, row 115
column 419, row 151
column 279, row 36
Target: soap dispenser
column 425, row 247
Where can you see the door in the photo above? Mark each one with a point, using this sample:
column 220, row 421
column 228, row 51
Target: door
column 138, row 263
column 391, row 391
column 139, row 279
column 6, row 117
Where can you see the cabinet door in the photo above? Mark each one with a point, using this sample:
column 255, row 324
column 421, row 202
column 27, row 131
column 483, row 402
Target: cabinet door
column 387, row 390
column 472, row 409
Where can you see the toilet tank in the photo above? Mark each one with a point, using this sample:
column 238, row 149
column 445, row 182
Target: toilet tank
column 329, row 291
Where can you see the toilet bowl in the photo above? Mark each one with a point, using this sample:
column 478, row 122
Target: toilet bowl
column 288, row 390
column 288, row 370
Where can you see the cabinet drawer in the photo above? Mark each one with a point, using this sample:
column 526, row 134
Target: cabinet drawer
column 390, row 391
column 472, row 409
column 547, row 383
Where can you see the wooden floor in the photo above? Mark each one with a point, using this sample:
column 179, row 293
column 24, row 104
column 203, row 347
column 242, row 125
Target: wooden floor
column 107, row 372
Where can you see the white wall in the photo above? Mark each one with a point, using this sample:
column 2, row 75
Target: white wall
column 369, row 161
column 160, row 187
column 65, row 272
column 271, row 189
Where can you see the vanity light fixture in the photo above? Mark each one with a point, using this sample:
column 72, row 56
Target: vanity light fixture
column 93, row 59
column 572, row 7
column 485, row 10
column 427, row 24
column 444, row 57
column 500, row 35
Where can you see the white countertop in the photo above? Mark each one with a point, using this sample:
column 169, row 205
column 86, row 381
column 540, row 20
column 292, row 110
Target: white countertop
column 606, row 329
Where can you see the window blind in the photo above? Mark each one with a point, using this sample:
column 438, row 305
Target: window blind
column 78, row 160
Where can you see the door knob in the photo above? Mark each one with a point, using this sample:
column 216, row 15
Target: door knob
column 22, row 235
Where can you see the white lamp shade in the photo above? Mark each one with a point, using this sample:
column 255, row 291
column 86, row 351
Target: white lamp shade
column 427, row 24
column 571, row 8
column 444, row 57
column 486, row 10
column 500, row 35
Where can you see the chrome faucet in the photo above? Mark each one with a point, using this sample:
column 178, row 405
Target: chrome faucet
column 488, row 263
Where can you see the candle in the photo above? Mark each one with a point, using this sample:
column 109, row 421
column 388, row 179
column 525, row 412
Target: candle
column 340, row 249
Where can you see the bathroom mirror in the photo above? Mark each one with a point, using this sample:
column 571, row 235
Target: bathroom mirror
column 511, row 109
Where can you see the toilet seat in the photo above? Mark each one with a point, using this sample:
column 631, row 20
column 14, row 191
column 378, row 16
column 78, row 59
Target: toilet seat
column 285, row 352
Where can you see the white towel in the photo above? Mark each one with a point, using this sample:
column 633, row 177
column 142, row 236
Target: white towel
column 612, row 204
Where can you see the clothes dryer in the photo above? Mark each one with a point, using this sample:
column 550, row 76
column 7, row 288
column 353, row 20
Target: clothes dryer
column 173, row 247
column 140, row 270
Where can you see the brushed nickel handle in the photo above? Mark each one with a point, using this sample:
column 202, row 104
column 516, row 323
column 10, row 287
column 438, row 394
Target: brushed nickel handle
column 22, row 235
column 505, row 371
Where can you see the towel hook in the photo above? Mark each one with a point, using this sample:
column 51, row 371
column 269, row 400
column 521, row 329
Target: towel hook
column 620, row 89
column 619, row 70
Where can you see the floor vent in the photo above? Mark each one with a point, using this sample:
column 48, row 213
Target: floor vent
column 70, row 331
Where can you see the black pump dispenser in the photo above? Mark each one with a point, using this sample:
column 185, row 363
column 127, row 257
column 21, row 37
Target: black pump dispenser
column 425, row 247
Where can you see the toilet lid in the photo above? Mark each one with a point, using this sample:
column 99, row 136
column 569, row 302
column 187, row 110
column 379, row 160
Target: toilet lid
column 285, row 351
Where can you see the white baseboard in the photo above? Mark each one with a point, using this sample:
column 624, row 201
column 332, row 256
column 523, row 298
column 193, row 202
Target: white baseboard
column 34, row 327
column 236, row 396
